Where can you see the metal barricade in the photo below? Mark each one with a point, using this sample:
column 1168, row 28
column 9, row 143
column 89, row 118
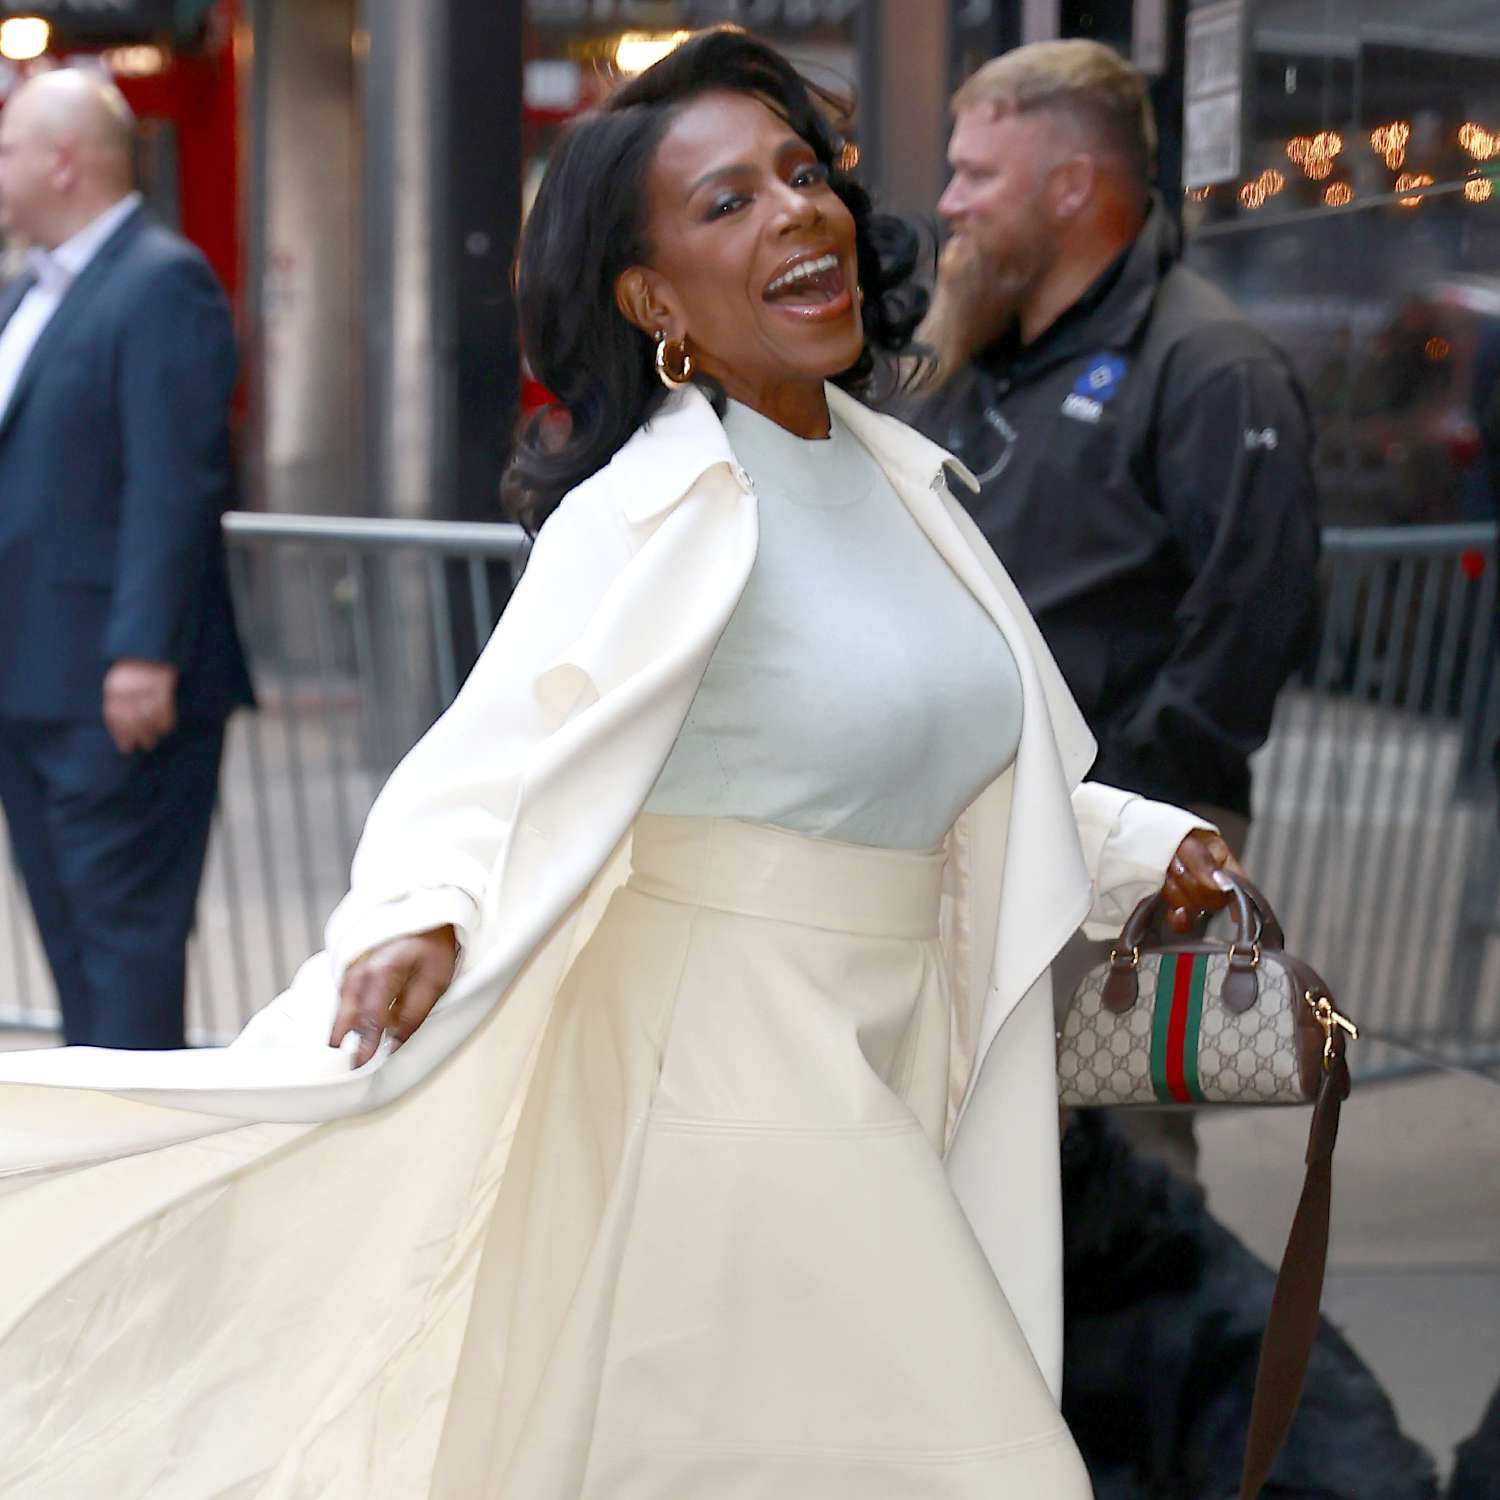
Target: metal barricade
column 1376, row 832
column 359, row 633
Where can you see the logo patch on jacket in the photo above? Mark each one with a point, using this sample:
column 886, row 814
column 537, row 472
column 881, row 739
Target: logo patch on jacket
column 1094, row 387
column 1102, row 378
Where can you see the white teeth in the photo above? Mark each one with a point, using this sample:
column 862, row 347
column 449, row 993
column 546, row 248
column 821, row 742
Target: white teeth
column 803, row 270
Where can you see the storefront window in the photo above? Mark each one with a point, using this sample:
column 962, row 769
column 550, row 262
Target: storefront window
column 1363, row 230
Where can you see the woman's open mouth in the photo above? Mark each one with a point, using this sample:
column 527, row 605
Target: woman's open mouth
column 813, row 288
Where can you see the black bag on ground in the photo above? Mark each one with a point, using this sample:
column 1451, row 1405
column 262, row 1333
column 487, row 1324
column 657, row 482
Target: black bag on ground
column 1165, row 1309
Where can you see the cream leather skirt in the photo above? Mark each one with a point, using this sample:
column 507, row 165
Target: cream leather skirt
column 708, row 1253
column 725, row 1261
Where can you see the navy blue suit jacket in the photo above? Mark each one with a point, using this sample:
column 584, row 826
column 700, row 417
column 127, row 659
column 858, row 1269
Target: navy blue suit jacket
column 114, row 472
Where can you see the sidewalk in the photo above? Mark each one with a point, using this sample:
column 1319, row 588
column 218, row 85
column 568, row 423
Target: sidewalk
column 1414, row 1250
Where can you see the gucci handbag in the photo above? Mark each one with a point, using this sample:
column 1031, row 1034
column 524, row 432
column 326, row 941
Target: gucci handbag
column 1195, row 1022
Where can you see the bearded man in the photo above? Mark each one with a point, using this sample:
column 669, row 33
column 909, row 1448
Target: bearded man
column 1144, row 450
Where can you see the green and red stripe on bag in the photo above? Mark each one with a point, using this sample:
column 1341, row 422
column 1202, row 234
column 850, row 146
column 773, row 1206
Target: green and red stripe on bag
column 1176, row 1025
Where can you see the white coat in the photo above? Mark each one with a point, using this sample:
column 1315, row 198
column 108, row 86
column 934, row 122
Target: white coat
column 512, row 818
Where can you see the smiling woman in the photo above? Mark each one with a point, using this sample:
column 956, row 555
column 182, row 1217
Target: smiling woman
column 674, row 1112
column 703, row 202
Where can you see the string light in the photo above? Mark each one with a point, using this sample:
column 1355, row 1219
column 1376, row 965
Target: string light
column 1480, row 143
column 1479, row 189
column 1390, row 142
column 1437, row 349
column 849, row 157
column 134, row 62
column 1198, row 194
column 23, row 38
column 1254, row 193
column 1408, row 181
column 1315, row 153
column 1338, row 194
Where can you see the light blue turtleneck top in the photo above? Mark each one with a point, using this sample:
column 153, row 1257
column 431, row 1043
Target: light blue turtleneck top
column 859, row 691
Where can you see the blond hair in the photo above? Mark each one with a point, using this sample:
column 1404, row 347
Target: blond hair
column 1087, row 80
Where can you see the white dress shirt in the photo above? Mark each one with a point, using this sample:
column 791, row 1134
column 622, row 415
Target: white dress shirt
column 55, row 272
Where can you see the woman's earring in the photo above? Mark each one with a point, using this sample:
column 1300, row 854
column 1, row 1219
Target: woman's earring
column 668, row 355
column 859, row 295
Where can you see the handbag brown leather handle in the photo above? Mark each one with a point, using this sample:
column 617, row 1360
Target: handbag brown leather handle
column 1256, row 927
column 1271, row 935
column 1254, row 920
column 1249, row 919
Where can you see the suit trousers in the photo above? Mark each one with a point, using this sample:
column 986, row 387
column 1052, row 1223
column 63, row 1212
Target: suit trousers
column 111, row 848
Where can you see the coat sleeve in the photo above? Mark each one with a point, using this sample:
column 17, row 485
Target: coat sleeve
column 1234, row 477
column 177, row 366
column 1128, row 842
column 440, row 824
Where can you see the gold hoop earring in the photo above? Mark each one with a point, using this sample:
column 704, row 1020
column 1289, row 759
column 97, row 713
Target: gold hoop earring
column 674, row 380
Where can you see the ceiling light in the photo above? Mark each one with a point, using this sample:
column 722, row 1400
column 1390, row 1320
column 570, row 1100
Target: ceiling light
column 140, row 61
column 24, row 37
column 638, row 50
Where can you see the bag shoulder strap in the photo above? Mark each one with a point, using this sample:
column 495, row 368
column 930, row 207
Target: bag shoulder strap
column 1292, row 1327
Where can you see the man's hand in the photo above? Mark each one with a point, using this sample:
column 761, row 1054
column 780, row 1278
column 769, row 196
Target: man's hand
column 140, row 704
column 972, row 306
column 393, row 988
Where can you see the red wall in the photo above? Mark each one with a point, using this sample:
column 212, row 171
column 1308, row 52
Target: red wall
column 199, row 96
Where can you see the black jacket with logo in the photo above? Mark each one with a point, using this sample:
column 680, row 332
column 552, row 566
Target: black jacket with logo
column 1147, row 481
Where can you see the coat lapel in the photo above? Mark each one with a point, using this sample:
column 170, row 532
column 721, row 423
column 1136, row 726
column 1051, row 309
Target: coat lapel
column 75, row 305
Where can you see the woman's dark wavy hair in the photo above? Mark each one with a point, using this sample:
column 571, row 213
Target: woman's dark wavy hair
column 589, row 224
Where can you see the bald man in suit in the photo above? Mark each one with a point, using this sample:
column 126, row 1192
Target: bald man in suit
column 120, row 662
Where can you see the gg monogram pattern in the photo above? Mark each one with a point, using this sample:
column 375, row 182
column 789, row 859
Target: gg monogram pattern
column 1179, row 1043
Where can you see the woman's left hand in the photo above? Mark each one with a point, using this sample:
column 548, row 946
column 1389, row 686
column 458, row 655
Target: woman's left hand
column 1196, row 882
